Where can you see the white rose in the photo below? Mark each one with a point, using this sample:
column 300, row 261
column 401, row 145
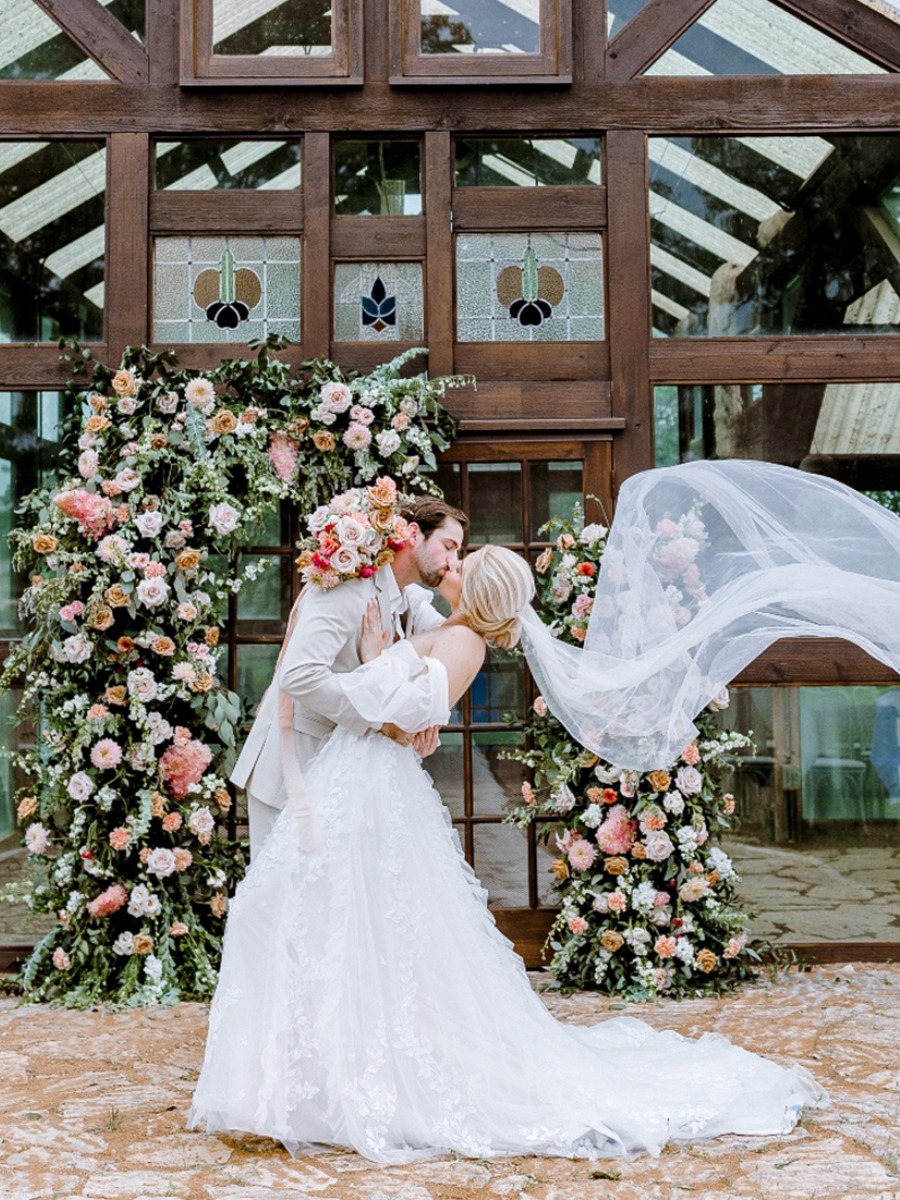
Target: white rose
column 174, row 539
column 563, row 799
column 80, row 786
column 167, row 403
column 350, row 532
column 161, row 862
column 345, row 560
column 336, row 397
column 88, row 464
column 592, row 816
column 684, row 950
column 673, row 802
column 77, row 648
column 410, row 465
column 149, row 523
column 658, row 846
column 153, row 968
column 592, row 533
column 112, row 548
column 689, row 781
column 142, row 685
column 158, row 728
column 319, row 519
column 721, row 862
column 137, row 901
column 124, row 943
column 388, row 442
column 153, row 592
column 721, row 700
column 126, row 405
column 128, row 479
column 224, row 518
column 201, row 821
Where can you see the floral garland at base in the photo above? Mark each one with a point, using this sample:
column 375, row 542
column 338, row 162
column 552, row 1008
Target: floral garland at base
column 132, row 556
column 648, row 903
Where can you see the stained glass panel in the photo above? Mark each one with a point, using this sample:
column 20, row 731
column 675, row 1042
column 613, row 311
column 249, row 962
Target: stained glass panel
column 283, row 28
column 378, row 302
column 207, row 165
column 481, row 27
column 225, row 289
column 517, row 287
column 527, row 162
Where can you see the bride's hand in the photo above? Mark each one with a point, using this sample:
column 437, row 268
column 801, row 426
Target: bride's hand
column 371, row 639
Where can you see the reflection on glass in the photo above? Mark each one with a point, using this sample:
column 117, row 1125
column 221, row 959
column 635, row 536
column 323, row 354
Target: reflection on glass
column 495, row 502
column 817, row 835
column 207, row 165
column 619, row 13
column 499, row 688
column 32, row 46
column 529, row 287
column 527, row 162
column 496, row 780
column 481, row 27
column 756, row 37
column 501, row 863
column 377, row 178
column 264, row 603
column 272, row 530
column 10, row 778
column 774, row 235
column 848, row 431
column 29, row 443
column 283, row 28
column 555, row 487
column 52, row 217
column 446, row 767
column 448, row 478
column 255, row 668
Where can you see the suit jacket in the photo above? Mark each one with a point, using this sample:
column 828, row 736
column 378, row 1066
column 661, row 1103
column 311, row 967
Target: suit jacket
column 324, row 644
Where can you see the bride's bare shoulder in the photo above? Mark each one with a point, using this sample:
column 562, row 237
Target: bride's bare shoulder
column 451, row 642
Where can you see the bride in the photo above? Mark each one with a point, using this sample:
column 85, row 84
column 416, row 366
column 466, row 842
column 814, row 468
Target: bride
column 367, row 999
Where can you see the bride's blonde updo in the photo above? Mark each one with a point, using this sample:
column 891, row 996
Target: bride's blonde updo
column 497, row 585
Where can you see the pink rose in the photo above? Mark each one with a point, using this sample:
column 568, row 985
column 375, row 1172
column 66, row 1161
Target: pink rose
column 119, row 838
column 108, row 902
column 617, row 902
column 61, row 959
column 540, row 706
column 578, row 925
column 690, row 754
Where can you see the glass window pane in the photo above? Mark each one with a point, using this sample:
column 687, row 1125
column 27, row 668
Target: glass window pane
column 480, row 27
column 556, row 487
column 273, row 530
column 774, row 235
column 620, row 12
column 225, row 289
column 284, row 29
column 264, row 603
column 446, row 768
column 498, row 690
column 255, row 668
column 817, row 834
column 32, row 46
column 756, row 37
column 377, row 178
column 209, row 165
column 529, row 287
column 848, row 431
column 448, row 477
column 501, row 863
column 527, row 162
column 378, row 302
column 495, row 502
column 29, row 444
column 52, row 217
column 496, row 780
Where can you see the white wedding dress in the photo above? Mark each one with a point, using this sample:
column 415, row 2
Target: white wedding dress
column 368, row 1000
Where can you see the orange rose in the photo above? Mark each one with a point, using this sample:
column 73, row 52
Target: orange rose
column 183, row 859
column 544, row 559
column 639, row 850
column 382, row 558
column 712, row 878
column 102, row 618
column 115, row 695
column 158, row 441
column 383, row 493
column 560, row 868
column 297, row 427
column 707, row 961
column 188, row 560
column 97, row 403
column 659, row 780
column 303, row 560
column 143, row 943
column 324, row 441
column 44, row 543
column 219, row 905
column 124, row 383
column 27, row 808
column 615, row 865
column 222, row 797
column 611, row 941
column 97, row 423
column 211, row 637
column 163, row 645
column 222, row 422
column 157, row 805
column 382, row 519
column 116, row 598
column 125, row 645
column 203, row 682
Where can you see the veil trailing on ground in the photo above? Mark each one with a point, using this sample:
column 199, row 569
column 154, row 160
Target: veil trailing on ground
column 707, row 564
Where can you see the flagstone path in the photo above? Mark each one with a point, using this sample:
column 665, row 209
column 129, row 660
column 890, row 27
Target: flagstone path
column 93, row 1105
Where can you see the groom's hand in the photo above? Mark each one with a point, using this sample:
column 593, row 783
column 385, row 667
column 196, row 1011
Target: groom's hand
column 426, row 742
column 396, row 734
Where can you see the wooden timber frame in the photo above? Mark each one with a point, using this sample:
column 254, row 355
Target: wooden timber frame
column 562, row 391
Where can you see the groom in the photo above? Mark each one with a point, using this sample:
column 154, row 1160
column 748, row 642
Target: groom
column 325, row 643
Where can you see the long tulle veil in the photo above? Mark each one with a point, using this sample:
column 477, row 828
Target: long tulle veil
column 707, row 564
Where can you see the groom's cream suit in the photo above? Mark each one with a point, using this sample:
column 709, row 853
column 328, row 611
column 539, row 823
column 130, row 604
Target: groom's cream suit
column 324, row 643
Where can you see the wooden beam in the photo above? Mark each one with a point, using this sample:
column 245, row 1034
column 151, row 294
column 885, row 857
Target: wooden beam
column 808, row 662
column 101, row 36
column 316, row 275
column 516, row 361
column 378, row 237
column 37, row 365
column 774, row 360
column 865, row 30
column 224, row 211
column 648, row 34
column 578, row 207
column 127, row 301
column 440, row 311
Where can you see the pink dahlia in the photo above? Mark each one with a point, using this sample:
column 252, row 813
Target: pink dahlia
column 581, row 854
column 618, row 832
column 183, row 765
column 106, row 754
column 110, row 901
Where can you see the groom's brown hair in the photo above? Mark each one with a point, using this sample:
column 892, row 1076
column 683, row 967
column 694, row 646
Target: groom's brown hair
column 429, row 513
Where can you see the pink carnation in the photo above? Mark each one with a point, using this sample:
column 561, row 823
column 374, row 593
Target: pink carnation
column 184, row 765
column 106, row 754
column 110, row 901
column 578, row 925
column 283, row 454
column 617, row 902
column 665, row 947
column 119, row 838
column 94, row 514
column 618, row 832
column 690, row 754
column 61, row 959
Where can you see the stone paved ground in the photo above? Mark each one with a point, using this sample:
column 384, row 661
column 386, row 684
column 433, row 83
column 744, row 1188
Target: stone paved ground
column 93, row 1105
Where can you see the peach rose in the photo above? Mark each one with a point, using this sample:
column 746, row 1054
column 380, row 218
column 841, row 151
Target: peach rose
column 44, row 543
column 183, row 858
column 578, row 925
column 211, row 637
column 219, row 905
column 203, row 682
column 382, row 558
column 179, row 929
column 544, row 559
column 125, row 645
column 172, row 823
column 143, row 943
column 690, row 754
column 97, row 423
column 222, row 797
column 124, row 383
column 144, row 855
column 324, row 441
column 116, row 694
column 304, row 560
column 665, row 947
column 382, row 519
column 60, row 959
column 560, row 868
column 119, row 838
column 27, row 808
column 102, row 618
column 611, row 941
column 616, row 865
column 223, row 422
column 116, row 598
column 383, row 492
column 157, row 805
column 163, row 645
column 97, row 403
column 707, row 961
column 659, row 780
column 639, row 851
